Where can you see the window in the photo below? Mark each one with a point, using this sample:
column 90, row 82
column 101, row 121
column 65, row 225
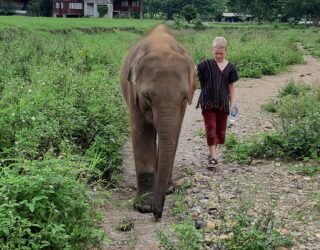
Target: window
column 61, row 4
column 57, row 5
column 124, row 3
column 135, row 3
column 75, row 6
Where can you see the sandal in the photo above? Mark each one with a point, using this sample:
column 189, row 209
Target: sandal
column 212, row 161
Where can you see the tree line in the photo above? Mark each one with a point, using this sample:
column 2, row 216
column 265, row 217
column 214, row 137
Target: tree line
column 261, row 10
column 35, row 7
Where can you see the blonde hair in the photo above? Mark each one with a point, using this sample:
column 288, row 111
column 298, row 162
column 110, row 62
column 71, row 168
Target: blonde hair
column 220, row 43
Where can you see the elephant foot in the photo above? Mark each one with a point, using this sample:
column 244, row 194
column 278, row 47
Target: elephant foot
column 157, row 207
column 143, row 208
column 143, row 203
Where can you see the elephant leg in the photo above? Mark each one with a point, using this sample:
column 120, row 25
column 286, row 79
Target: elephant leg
column 171, row 186
column 145, row 156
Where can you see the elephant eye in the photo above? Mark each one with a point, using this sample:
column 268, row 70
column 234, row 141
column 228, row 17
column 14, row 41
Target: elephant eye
column 147, row 98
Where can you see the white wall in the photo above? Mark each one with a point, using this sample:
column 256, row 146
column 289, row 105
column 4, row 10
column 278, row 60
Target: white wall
column 88, row 11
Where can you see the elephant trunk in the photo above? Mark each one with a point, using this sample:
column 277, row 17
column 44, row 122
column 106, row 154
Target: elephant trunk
column 168, row 134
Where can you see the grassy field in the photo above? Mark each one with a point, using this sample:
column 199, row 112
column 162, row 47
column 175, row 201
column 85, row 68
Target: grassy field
column 36, row 23
column 62, row 117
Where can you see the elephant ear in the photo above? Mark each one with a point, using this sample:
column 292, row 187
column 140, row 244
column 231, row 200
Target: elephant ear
column 133, row 85
column 132, row 75
column 192, row 82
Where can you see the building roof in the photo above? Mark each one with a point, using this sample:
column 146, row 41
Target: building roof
column 230, row 14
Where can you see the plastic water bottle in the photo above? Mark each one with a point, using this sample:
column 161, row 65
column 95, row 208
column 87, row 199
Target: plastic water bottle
column 233, row 114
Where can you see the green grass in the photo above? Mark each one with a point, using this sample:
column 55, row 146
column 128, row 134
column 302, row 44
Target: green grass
column 37, row 23
column 256, row 52
column 60, row 100
column 253, row 232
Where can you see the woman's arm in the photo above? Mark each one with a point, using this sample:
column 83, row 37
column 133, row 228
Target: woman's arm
column 231, row 95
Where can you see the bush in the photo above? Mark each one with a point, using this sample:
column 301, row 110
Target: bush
column 177, row 24
column 182, row 235
column 297, row 132
column 43, row 206
column 294, row 89
column 59, row 98
column 103, row 10
column 189, row 12
column 249, row 232
column 198, row 25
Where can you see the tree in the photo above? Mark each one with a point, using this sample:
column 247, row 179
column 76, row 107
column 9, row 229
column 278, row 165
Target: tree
column 141, row 8
column 6, row 7
column 262, row 10
column 210, row 8
column 304, row 8
column 152, row 7
column 189, row 12
column 40, row 7
column 172, row 7
column 25, row 3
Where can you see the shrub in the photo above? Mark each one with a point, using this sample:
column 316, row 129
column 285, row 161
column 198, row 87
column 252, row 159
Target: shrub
column 177, row 24
column 189, row 12
column 297, row 132
column 294, row 89
column 103, row 10
column 198, row 25
column 60, row 98
column 181, row 235
column 250, row 232
column 43, row 206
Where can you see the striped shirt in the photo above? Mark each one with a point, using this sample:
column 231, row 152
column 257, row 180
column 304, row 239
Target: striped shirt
column 215, row 84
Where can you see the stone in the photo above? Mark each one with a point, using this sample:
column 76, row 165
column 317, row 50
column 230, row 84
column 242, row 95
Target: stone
column 299, row 186
column 210, row 225
column 180, row 182
column 199, row 224
column 211, row 205
column 268, row 125
column 278, row 164
column 224, row 237
column 197, row 209
column 204, row 201
column 187, row 200
column 256, row 162
column 194, row 215
column 200, row 177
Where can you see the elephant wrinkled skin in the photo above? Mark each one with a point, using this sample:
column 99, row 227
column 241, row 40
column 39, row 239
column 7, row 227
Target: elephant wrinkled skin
column 158, row 80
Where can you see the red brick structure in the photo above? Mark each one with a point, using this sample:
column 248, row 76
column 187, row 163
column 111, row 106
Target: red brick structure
column 78, row 8
column 127, row 7
column 68, row 8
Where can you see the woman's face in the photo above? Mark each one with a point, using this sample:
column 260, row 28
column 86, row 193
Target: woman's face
column 219, row 54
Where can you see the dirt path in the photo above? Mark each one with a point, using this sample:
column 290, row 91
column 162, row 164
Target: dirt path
column 271, row 178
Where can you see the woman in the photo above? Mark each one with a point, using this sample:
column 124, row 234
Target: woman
column 217, row 77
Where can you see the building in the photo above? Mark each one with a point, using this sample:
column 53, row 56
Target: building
column 126, row 8
column 68, row 8
column 96, row 8
column 235, row 17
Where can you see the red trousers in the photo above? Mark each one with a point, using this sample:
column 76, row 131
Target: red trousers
column 216, row 125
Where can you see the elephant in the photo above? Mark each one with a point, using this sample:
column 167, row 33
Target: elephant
column 157, row 80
